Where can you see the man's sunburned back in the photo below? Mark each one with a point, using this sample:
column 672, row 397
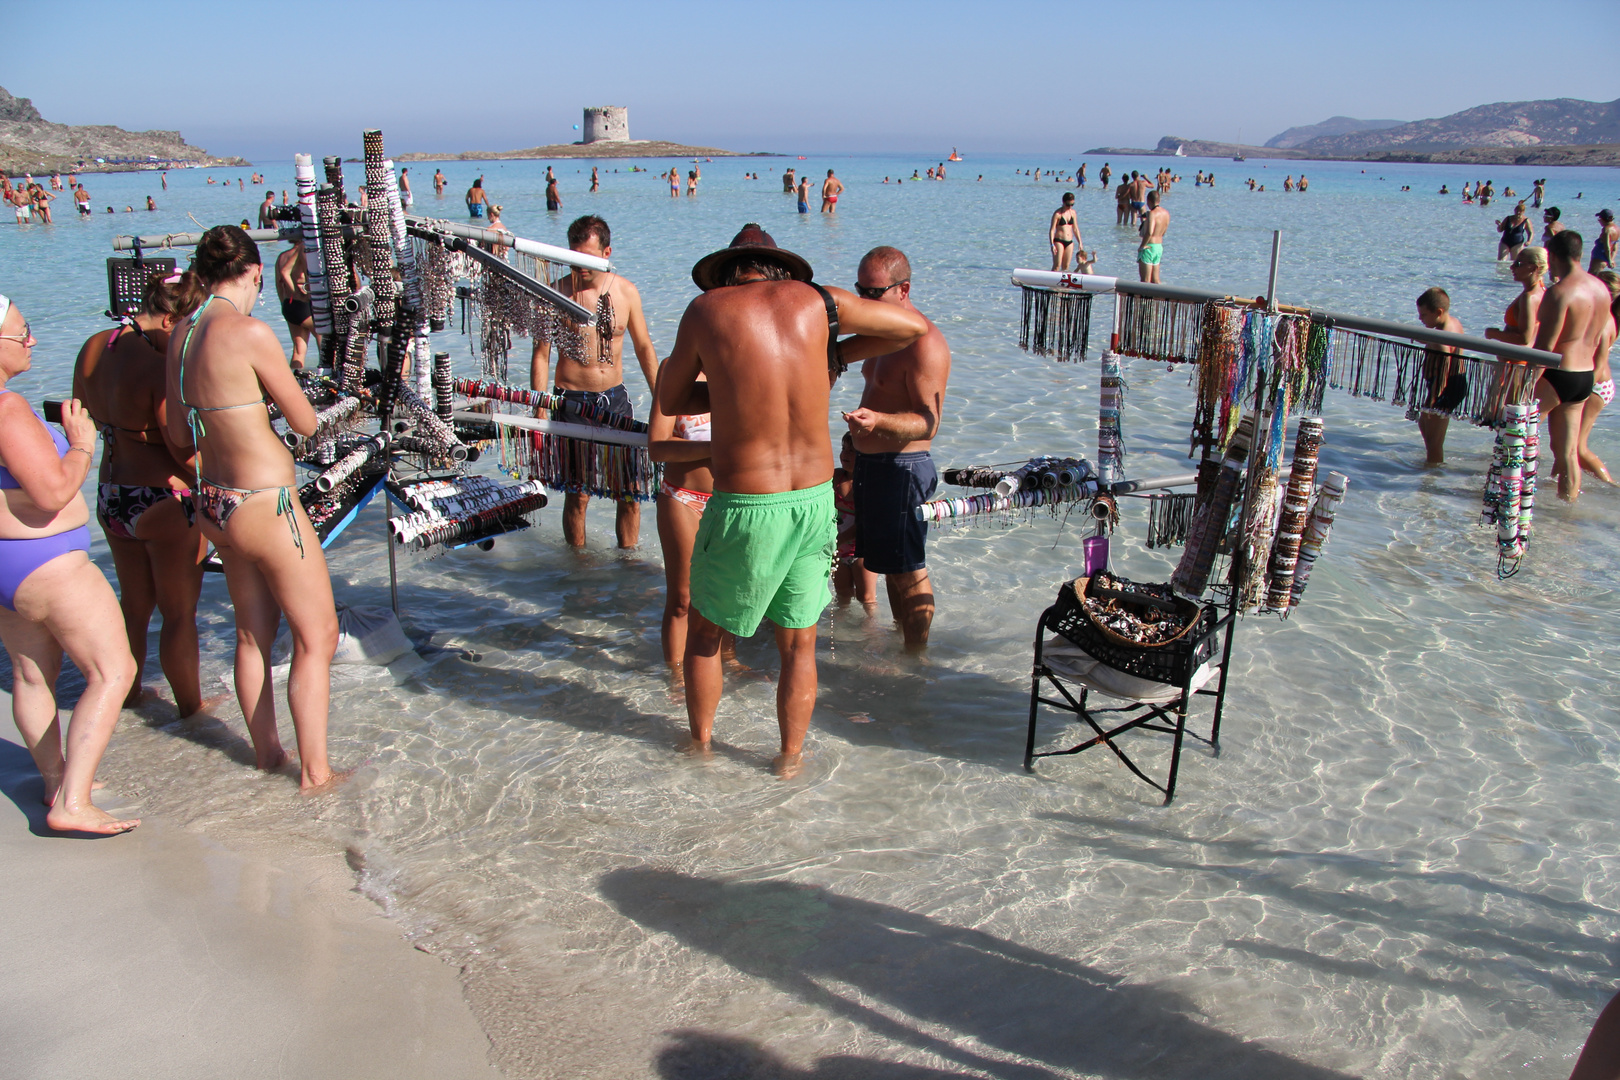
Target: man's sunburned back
column 763, row 347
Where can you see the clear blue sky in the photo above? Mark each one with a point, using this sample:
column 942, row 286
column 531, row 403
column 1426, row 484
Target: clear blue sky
column 267, row 79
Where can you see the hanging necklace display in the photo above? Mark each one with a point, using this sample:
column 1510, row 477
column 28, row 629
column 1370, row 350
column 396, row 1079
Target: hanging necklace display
column 1055, row 323
column 1159, row 329
column 1169, row 517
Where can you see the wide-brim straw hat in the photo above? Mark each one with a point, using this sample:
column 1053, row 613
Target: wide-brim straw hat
column 754, row 242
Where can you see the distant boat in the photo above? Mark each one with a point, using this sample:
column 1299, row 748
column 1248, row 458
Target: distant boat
column 1180, row 150
column 954, row 155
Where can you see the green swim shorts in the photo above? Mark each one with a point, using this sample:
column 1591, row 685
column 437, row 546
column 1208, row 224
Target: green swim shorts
column 1150, row 254
column 765, row 556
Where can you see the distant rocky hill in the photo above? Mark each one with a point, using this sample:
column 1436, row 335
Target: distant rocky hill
column 1560, row 131
column 1200, row 148
column 30, row 143
column 1333, row 125
column 1515, row 124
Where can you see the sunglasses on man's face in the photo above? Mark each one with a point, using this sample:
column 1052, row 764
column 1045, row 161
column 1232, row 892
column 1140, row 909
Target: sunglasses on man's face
column 875, row 292
column 24, row 337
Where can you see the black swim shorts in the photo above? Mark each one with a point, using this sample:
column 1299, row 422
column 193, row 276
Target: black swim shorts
column 1452, row 395
column 615, row 401
column 296, row 312
column 888, row 490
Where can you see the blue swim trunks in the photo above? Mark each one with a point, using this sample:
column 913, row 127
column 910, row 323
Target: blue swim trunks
column 888, row 490
column 804, row 208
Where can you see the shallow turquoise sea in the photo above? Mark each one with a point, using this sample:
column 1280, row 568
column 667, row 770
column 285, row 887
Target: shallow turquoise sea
column 1401, row 863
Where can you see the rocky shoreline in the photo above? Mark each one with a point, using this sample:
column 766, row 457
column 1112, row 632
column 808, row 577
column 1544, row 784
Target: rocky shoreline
column 31, row 144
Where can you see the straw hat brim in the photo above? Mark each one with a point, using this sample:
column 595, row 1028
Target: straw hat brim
column 707, row 270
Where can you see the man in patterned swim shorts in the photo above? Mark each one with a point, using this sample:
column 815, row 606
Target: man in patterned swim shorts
column 767, row 341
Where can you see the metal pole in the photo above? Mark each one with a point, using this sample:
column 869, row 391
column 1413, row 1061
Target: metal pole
column 548, row 252
column 495, row 264
column 1046, row 279
column 1276, row 257
column 388, row 539
column 172, row 240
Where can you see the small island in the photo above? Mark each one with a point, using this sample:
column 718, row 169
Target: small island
column 607, row 135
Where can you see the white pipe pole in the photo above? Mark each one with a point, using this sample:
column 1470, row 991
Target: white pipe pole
column 548, row 252
column 588, row 432
column 1276, row 259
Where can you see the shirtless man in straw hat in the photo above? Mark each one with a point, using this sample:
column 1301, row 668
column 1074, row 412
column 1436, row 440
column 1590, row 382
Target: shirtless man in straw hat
column 593, row 379
column 766, row 341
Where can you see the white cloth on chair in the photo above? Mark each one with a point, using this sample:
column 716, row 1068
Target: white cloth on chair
column 1068, row 661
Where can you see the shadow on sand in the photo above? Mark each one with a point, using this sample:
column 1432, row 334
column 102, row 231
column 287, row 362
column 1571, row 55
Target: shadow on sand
column 704, row 1055
column 973, row 999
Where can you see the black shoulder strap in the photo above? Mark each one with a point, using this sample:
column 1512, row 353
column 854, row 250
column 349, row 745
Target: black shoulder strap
column 835, row 363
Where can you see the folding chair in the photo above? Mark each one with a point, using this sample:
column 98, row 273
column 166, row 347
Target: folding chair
column 1158, row 683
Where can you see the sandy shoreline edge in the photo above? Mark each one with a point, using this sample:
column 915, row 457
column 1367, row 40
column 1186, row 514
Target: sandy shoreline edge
column 198, row 960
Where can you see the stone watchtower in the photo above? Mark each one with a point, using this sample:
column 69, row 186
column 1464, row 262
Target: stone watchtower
column 607, row 123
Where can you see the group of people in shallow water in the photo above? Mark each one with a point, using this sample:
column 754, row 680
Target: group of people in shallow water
column 32, row 201
column 1577, row 316
column 179, row 397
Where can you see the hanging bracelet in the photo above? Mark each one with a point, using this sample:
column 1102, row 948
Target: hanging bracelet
column 90, row 453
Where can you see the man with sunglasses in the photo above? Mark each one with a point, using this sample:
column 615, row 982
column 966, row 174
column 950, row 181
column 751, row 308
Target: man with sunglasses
column 893, row 429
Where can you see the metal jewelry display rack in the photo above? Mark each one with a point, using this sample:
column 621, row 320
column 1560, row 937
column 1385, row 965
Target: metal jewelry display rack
column 380, row 282
column 1257, row 361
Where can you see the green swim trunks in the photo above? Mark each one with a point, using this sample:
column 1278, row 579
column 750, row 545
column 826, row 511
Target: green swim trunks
column 1150, row 254
column 765, row 556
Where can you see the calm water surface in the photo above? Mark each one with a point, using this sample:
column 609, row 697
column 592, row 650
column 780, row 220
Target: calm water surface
column 1401, row 864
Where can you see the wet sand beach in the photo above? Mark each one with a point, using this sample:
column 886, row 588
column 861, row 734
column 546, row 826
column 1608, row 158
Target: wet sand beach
column 169, row 954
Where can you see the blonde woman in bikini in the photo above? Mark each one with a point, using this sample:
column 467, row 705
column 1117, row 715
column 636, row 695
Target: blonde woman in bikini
column 222, row 370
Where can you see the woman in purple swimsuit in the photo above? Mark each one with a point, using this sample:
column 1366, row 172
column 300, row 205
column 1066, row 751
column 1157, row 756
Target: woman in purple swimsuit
column 144, row 496
column 222, row 367
column 52, row 597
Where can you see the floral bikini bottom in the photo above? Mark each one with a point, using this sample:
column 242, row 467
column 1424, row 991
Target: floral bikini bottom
column 218, row 502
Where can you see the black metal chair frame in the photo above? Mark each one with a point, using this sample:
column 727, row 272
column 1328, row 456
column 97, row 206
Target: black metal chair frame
column 1139, row 714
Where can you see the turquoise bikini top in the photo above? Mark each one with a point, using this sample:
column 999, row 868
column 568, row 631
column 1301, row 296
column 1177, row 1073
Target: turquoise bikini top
column 193, row 420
